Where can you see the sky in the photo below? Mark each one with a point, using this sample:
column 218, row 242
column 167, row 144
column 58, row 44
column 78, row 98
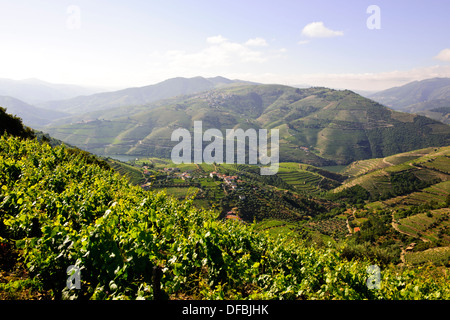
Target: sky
column 353, row 44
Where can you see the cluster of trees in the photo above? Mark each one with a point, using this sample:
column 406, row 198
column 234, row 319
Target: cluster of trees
column 352, row 195
column 404, row 136
column 375, row 241
column 424, row 207
column 257, row 203
column 13, row 125
column 406, row 182
column 402, row 183
column 376, row 226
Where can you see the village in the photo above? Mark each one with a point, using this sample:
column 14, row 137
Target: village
column 208, row 184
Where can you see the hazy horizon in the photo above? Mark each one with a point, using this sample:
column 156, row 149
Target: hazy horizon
column 356, row 45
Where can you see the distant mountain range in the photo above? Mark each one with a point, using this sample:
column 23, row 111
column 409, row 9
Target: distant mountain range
column 429, row 97
column 78, row 100
column 137, row 96
column 318, row 126
column 33, row 91
column 32, row 116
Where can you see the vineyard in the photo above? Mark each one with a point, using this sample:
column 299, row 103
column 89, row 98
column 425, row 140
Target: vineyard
column 59, row 208
column 302, row 180
column 432, row 226
column 362, row 167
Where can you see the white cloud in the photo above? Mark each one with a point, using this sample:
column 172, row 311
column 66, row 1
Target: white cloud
column 444, row 55
column 219, row 52
column 318, row 30
column 256, row 42
column 216, row 39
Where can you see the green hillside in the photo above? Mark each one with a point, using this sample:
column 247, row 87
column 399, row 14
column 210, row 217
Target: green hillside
column 295, row 202
column 413, row 191
column 58, row 210
column 62, row 207
column 317, row 126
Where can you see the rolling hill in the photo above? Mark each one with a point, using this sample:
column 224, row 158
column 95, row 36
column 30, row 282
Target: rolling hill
column 317, row 126
column 413, row 191
column 136, row 96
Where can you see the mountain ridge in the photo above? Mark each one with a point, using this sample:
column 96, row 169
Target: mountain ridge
column 427, row 97
column 400, row 98
column 318, row 126
column 137, row 95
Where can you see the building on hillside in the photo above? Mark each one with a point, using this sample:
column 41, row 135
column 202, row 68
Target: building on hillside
column 185, row 176
column 232, row 214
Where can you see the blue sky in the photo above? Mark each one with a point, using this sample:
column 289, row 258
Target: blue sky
column 134, row 43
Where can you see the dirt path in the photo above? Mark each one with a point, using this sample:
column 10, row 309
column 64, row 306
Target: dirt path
column 350, row 230
column 387, row 162
column 402, row 256
column 348, row 227
column 410, row 246
column 415, row 167
column 395, row 226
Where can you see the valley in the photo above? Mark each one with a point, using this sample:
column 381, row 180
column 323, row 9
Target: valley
column 357, row 184
column 312, row 204
column 317, row 126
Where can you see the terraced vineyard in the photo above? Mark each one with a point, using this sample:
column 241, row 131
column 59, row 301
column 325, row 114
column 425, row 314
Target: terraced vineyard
column 58, row 210
column 362, row 167
column 438, row 256
column 437, row 193
column 441, row 164
column 432, row 226
column 62, row 207
column 430, row 165
column 301, row 180
column 374, row 181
